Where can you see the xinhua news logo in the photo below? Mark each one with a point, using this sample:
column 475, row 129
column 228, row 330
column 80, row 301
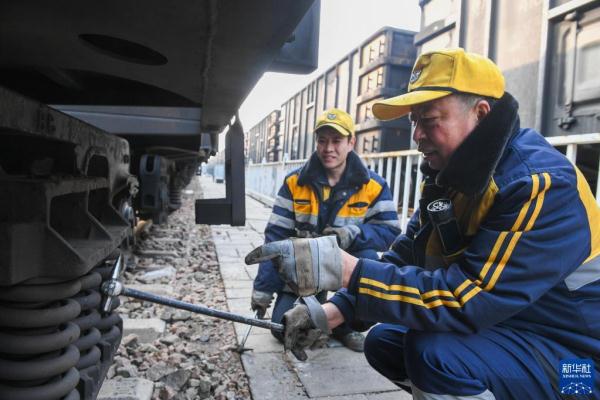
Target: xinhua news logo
column 576, row 376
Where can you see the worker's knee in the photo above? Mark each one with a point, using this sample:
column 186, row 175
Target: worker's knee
column 433, row 364
column 373, row 345
column 384, row 351
column 425, row 352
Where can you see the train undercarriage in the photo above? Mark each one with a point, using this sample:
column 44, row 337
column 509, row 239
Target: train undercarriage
column 106, row 112
column 65, row 207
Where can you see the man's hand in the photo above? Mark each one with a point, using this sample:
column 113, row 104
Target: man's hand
column 260, row 301
column 345, row 235
column 301, row 331
column 308, row 266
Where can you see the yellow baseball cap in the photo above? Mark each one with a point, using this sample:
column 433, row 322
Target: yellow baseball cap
column 338, row 119
column 440, row 73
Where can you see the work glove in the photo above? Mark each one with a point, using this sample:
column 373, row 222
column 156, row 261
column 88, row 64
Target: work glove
column 260, row 301
column 345, row 235
column 305, row 327
column 308, row 266
column 306, row 234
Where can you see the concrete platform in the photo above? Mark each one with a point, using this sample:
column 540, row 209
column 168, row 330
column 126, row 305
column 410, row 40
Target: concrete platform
column 332, row 373
column 126, row 389
column 147, row 329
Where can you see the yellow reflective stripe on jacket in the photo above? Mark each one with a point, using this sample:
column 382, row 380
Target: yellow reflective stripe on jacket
column 593, row 213
column 408, row 299
column 486, row 202
column 424, row 300
column 539, row 197
column 353, row 212
column 524, row 222
column 305, row 201
column 367, row 194
column 589, row 270
column 520, row 225
column 326, row 193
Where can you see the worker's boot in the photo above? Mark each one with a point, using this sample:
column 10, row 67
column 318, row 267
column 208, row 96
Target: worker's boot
column 353, row 340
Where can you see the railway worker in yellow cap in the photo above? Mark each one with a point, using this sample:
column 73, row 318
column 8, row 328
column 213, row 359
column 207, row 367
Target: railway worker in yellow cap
column 493, row 291
column 332, row 194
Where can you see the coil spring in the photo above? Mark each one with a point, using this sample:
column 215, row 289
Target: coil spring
column 38, row 359
column 54, row 341
column 89, row 299
column 175, row 200
column 101, row 332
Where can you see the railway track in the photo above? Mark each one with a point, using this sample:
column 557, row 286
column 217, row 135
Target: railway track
column 181, row 355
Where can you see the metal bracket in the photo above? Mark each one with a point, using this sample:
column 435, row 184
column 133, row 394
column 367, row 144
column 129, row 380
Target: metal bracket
column 566, row 122
column 113, row 287
column 232, row 209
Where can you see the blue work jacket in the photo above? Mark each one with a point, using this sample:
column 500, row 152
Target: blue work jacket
column 530, row 258
column 306, row 202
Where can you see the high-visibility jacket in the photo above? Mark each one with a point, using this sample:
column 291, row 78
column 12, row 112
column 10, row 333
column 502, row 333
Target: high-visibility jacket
column 530, row 259
column 306, row 202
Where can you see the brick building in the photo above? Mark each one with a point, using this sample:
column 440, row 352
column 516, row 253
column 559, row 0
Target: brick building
column 378, row 68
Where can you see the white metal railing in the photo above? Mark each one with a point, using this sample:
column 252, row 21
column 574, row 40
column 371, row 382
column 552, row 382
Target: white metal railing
column 399, row 169
column 266, row 178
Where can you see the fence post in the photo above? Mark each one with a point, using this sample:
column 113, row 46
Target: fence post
column 397, row 180
column 406, row 192
column 598, row 184
column 572, row 153
column 418, row 183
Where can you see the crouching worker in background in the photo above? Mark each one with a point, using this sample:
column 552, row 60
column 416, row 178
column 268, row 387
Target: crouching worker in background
column 332, row 194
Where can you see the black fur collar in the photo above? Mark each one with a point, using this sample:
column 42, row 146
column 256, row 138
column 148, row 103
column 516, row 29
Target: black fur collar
column 474, row 162
column 354, row 174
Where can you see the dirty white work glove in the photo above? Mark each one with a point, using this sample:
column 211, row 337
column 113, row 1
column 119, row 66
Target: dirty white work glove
column 305, row 327
column 308, row 266
column 345, row 235
column 260, row 301
column 306, row 234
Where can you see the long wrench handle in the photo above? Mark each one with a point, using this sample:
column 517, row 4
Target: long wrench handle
column 201, row 309
column 243, row 342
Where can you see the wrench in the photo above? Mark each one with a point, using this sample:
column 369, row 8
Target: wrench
column 114, row 287
column 241, row 348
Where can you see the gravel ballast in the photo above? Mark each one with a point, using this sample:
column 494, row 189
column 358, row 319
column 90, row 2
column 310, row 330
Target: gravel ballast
column 195, row 357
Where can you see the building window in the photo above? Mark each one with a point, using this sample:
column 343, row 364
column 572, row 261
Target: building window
column 365, row 145
column 373, row 50
column 372, row 80
column 331, row 89
column 574, row 88
column 311, row 93
column 294, row 153
column 375, row 144
column 365, row 112
column 369, row 142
